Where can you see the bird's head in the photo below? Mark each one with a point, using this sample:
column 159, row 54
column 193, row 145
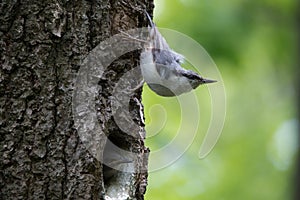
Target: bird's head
column 195, row 79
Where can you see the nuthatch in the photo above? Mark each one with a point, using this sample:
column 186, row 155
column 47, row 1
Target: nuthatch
column 161, row 66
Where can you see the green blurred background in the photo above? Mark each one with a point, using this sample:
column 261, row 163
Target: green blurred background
column 253, row 43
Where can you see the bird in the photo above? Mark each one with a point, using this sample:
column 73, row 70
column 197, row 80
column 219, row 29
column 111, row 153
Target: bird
column 161, row 67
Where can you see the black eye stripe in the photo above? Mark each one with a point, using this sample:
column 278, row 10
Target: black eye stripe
column 192, row 75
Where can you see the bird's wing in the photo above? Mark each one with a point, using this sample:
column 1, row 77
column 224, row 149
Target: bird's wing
column 163, row 71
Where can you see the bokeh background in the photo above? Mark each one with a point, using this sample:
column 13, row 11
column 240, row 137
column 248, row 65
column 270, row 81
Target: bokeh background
column 254, row 45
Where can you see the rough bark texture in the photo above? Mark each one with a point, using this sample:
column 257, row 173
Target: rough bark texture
column 42, row 44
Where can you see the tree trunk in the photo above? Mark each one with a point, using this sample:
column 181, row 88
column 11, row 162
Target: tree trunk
column 42, row 154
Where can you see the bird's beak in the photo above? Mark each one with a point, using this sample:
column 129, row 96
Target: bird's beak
column 208, row 81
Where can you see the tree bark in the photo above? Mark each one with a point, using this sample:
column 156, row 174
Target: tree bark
column 42, row 45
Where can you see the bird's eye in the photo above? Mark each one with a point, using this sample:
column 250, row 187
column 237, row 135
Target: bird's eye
column 178, row 60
